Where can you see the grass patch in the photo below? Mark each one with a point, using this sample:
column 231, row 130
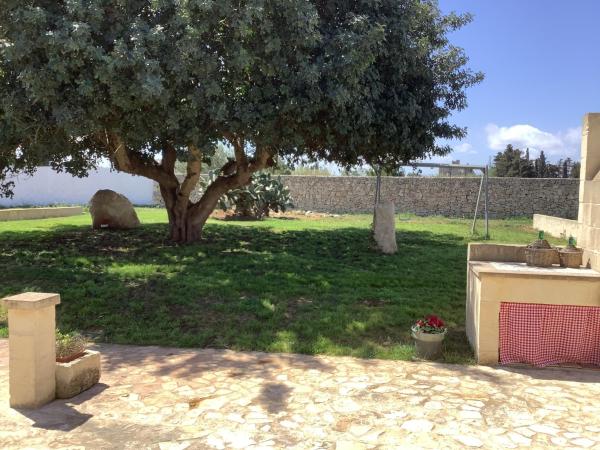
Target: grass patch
column 296, row 285
column 3, row 323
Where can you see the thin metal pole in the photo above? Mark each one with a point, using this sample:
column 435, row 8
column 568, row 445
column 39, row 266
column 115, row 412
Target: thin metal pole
column 487, row 219
column 378, row 186
column 477, row 204
column 377, row 194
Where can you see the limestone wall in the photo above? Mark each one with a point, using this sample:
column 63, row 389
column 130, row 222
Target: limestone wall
column 39, row 213
column 557, row 226
column 589, row 193
column 452, row 197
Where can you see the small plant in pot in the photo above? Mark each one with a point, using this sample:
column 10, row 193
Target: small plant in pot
column 429, row 334
column 77, row 368
column 69, row 346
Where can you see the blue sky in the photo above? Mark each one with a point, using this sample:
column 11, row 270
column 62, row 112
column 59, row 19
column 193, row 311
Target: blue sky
column 541, row 59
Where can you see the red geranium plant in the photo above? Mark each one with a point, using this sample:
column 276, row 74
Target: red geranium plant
column 430, row 324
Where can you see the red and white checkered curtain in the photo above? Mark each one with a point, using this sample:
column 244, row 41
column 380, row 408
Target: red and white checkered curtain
column 544, row 335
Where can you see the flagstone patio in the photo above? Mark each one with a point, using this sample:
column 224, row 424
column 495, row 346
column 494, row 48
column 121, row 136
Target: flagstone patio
column 153, row 397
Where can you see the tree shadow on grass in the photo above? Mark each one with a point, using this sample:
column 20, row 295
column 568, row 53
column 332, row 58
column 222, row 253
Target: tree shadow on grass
column 246, row 288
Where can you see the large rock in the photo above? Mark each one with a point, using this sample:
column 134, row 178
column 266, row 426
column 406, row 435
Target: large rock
column 110, row 209
column 384, row 227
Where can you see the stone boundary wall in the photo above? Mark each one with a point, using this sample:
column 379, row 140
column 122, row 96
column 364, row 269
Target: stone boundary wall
column 39, row 213
column 451, row 197
column 557, row 226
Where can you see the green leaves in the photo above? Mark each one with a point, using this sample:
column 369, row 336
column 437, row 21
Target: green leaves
column 373, row 81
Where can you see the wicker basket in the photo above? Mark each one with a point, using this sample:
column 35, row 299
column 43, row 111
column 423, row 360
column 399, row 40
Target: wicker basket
column 540, row 253
column 540, row 257
column 571, row 257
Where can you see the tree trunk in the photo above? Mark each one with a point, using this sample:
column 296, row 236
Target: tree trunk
column 181, row 227
column 184, row 230
column 177, row 205
column 186, row 219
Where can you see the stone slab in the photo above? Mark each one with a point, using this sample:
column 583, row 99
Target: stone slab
column 31, row 300
column 384, row 227
column 523, row 270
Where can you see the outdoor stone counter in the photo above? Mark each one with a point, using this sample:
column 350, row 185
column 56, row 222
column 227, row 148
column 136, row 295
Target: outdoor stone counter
column 491, row 283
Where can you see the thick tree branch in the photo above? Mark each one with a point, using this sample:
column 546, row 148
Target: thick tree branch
column 169, row 157
column 262, row 158
column 239, row 152
column 194, row 165
column 241, row 159
column 131, row 162
column 200, row 210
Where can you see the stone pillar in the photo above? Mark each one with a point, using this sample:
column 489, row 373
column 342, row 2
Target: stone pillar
column 589, row 191
column 384, row 227
column 32, row 351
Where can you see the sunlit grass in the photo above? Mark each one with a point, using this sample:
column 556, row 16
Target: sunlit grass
column 302, row 284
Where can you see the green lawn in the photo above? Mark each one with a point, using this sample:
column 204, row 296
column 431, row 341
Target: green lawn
column 281, row 285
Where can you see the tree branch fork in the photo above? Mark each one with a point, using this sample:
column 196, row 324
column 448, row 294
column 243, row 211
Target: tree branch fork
column 187, row 218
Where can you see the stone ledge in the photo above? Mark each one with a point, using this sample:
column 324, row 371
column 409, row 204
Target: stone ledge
column 31, row 300
column 521, row 270
column 39, row 213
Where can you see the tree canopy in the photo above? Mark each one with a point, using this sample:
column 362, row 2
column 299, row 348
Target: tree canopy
column 513, row 162
column 145, row 83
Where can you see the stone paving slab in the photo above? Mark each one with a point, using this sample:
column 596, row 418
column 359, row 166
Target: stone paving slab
column 154, row 397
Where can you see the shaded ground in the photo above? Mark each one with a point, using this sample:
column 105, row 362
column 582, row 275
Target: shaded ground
column 152, row 397
column 282, row 285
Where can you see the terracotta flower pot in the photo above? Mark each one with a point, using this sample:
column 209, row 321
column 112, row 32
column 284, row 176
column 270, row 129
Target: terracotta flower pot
column 428, row 345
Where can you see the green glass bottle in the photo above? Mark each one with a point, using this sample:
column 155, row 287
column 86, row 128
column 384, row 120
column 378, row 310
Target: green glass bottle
column 571, row 241
column 541, row 235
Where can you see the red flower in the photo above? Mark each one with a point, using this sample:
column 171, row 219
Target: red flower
column 434, row 321
column 420, row 323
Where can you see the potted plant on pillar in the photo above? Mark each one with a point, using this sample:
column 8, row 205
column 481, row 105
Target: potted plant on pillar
column 77, row 368
column 429, row 334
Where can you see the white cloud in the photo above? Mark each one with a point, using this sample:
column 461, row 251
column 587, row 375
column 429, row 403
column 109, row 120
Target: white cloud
column 560, row 145
column 465, row 148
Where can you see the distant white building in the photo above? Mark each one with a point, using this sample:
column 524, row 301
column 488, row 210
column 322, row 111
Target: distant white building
column 455, row 171
column 47, row 187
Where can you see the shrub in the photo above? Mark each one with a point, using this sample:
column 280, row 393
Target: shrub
column 256, row 200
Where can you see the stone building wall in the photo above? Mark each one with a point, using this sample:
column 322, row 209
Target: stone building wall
column 452, row 197
column 589, row 194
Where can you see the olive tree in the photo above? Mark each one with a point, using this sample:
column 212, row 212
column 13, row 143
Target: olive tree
column 144, row 84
